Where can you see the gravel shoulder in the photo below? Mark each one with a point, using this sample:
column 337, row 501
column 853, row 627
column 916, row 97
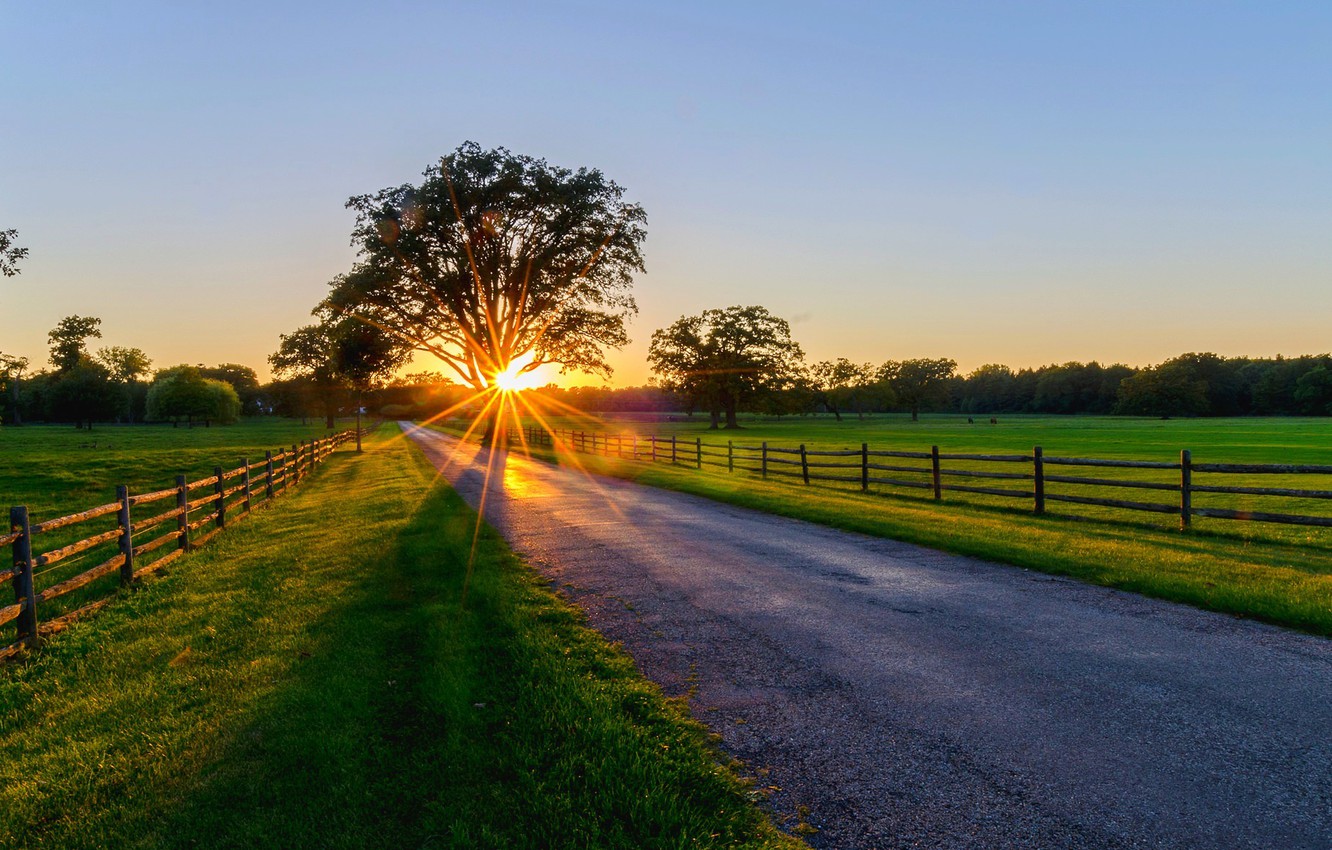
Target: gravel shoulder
column 911, row 698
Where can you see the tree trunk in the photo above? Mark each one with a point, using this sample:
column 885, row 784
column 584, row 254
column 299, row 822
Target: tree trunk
column 714, row 420
column 328, row 418
column 915, row 413
column 731, row 421
column 13, row 395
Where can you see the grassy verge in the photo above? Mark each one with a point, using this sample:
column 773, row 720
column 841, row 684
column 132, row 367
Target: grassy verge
column 1273, row 580
column 311, row 680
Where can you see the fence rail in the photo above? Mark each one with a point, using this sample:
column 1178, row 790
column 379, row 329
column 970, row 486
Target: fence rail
column 863, row 466
column 172, row 530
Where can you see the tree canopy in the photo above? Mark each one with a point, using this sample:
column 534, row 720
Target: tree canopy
column 495, row 258
column 724, row 359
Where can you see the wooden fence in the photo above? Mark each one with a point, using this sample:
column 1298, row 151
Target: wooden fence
column 198, row 511
column 1016, row 477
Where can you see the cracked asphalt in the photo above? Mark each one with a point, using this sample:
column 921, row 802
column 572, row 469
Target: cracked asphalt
column 912, row 698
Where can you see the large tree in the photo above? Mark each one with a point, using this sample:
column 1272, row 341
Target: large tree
column 496, row 258
column 725, row 359
column 918, row 383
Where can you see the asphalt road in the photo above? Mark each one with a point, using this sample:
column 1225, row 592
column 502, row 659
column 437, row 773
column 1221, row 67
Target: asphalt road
column 910, row 698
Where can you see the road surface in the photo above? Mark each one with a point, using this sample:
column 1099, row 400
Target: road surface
column 911, row 698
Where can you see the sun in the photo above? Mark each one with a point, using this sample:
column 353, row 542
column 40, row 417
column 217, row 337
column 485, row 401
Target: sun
column 513, row 379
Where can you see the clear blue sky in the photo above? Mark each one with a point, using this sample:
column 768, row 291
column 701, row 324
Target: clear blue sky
column 996, row 182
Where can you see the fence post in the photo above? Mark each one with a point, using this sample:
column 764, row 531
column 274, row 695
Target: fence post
column 1038, row 478
column 673, row 444
column 730, row 455
column 1185, row 489
column 763, row 462
column 698, row 452
column 126, row 535
column 635, row 445
column 653, row 438
column 268, row 475
column 293, row 468
column 864, row 467
column 183, row 519
column 218, row 487
column 24, row 594
column 245, row 485
column 938, row 478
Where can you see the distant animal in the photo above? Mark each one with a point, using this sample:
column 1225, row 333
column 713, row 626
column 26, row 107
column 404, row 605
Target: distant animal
column 994, row 421
column 971, row 421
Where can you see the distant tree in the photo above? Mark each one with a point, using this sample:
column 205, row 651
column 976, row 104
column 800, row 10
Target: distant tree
column 12, row 368
column 242, row 379
column 128, row 367
column 182, row 392
column 84, row 393
column 918, row 383
column 307, row 353
column 1172, row 388
column 722, row 360
column 69, row 338
column 1313, row 391
column 989, row 389
column 496, row 257
column 10, row 253
column 841, row 385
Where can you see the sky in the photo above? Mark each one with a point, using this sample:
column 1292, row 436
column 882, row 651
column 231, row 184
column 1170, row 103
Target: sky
column 1018, row 182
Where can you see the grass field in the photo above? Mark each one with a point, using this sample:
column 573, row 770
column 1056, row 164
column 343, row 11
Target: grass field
column 1276, row 573
column 58, row 469
column 312, row 680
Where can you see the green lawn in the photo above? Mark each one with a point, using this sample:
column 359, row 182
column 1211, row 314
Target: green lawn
column 56, row 469
column 1280, row 574
column 311, row 679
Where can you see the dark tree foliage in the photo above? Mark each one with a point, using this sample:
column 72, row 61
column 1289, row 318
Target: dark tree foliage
column 338, row 355
column 10, row 253
column 12, row 368
column 496, row 257
column 920, row 383
column 84, row 393
column 840, row 385
column 69, row 340
column 722, row 360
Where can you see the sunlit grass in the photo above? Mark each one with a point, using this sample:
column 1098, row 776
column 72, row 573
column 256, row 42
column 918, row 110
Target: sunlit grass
column 312, row 680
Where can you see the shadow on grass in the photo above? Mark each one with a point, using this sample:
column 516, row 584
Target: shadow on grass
column 352, row 749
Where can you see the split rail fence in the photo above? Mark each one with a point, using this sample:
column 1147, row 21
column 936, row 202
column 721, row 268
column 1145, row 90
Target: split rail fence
column 1015, row 477
column 198, row 511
